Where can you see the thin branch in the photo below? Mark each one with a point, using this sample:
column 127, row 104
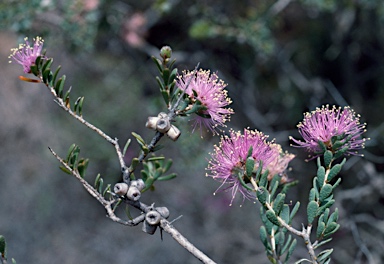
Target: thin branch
column 167, row 227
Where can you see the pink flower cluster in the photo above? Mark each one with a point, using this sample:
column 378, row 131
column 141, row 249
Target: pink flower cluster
column 227, row 163
column 207, row 88
column 324, row 123
column 26, row 55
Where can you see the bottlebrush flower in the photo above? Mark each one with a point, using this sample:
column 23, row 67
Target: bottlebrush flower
column 26, row 55
column 208, row 89
column 227, row 163
column 337, row 128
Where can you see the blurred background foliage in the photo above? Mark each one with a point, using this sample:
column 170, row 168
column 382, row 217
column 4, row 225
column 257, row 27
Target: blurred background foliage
column 279, row 58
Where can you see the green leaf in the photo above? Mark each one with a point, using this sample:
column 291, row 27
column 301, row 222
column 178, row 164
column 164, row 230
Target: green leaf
column 264, row 237
column 167, row 165
column 100, row 187
column 325, row 206
column 97, row 179
column 274, row 184
column 126, row 146
column 331, row 228
column 157, row 147
column 320, row 175
column 160, row 83
column 81, row 106
column 165, row 94
column 47, row 77
column 156, row 158
column 139, row 139
column 3, row 247
column 324, row 255
column 278, row 203
column 262, row 195
column 107, row 189
column 320, row 229
column 341, row 152
column 328, row 156
column 59, row 86
column 272, row 217
column 158, row 63
column 70, row 151
column 285, row 247
column 82, row 167
column 333, row 172
column 334, row 217
column 65, row 169
column 165, row 74
column 322, row 146
column 47, row 64
column 322, row 243
column 312, row 194
column 173, row 75
column 312, row 211
column 249, row 166
column 284, row 214
column 167, row 177
column 264, row 179
column 290, row 250
column 325, row 192
column 55, row 74
column 294, row 211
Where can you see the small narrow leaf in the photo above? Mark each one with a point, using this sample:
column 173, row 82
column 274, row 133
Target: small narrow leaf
column 156, row 158
column 264, row 237
column 262, row 195
column 290, row 250
column 333, row 172
column 322, row 243
column 272, row 217
column 55, row 74
column 324, row 255
column 278, row 203
column 167, row 177
column 81, row 106
column 158, row 63
column 3, row 247
column 312, row 211
column 320, row 230
column 320, row 175
column 126, row 146
column 139, row 139
column 249, row 166
column 294, row 211
column 331, row 228
column 328, row 156
column 325, row 192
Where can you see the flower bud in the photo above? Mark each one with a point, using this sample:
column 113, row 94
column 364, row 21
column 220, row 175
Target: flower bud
column 173, row 133
column 120, row 188
column 153, row 217
column 133, row 193
column 166, row 52
column 164, row 212
column 139, row 184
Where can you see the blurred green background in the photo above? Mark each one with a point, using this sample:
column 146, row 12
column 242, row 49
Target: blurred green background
column 279, row 58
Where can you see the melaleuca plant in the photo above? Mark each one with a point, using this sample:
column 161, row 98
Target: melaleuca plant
column 244, row 162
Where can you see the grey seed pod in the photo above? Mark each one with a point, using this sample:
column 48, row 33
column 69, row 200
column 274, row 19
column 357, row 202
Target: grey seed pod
column 120, row 188
column 139, row 184
column 153, row 217
column 149, row 229
column 164, row 212
column 163, row 125
column 173, row 133
column 133, row 193
column 151, row 122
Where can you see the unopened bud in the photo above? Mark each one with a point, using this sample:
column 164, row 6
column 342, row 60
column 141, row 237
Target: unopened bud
column 133, row 193
column 166, row 52
column 120, row 188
